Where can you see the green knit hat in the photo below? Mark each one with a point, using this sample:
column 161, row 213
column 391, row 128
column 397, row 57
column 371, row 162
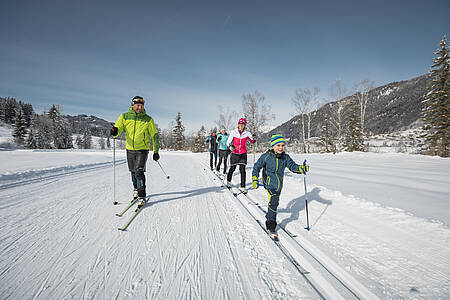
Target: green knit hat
column 276, row 139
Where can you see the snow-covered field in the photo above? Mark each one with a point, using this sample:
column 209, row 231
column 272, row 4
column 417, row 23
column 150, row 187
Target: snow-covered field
column 380, row 223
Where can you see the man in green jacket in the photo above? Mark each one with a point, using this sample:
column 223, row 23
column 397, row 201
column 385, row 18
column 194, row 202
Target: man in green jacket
column 138, row 127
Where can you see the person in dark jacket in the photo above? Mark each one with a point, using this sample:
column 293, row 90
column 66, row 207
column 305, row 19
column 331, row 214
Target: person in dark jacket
column 273, row 162
column 212, row 139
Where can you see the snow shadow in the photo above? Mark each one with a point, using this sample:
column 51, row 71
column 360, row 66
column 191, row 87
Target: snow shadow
column 295, row 206
column 181, row 195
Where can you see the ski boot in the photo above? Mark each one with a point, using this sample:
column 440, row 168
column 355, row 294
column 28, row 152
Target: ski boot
column 141, row 202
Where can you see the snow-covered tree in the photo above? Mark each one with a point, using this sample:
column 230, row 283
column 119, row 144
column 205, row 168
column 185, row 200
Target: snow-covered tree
column 108, row 142
column 199, row 141
column 101, row 142
column 43, row 134
column 19, row 131
column 86, row 139
column 30, row 143
column 178, row 134
column 79, row 142
column 326, row 138
column 354, row 140
column 436, row 110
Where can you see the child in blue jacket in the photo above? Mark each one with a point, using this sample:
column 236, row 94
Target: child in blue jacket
column 273, row 163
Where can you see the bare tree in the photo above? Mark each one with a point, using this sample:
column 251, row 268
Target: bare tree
column 258, row 113
column 336, row 109
column 362, row 89
column 305, row 101
column 227, row 118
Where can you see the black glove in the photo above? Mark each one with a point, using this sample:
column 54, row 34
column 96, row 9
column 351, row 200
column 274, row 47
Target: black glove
column 219, row 138
column 114, row 131
column 155, row 156
column 232, row 147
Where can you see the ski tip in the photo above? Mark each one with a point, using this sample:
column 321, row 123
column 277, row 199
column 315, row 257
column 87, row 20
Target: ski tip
column 121, row 229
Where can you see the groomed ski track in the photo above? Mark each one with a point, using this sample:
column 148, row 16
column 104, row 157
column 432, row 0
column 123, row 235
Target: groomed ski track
column 191, row 241
column 195, row 240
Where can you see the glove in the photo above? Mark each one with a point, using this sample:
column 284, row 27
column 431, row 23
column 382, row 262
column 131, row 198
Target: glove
column 114, row 131
column 155, row 156
column 303, row 168
column 232, row 147
column 219, row 138
column 255, row 182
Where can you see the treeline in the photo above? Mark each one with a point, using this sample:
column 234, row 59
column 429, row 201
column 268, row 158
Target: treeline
column 50, row 130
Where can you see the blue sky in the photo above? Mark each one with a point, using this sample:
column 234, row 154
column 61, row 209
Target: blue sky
column 92, row 57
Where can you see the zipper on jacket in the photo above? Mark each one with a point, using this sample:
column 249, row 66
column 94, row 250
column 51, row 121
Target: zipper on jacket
column 134, row 131
column 276, row 170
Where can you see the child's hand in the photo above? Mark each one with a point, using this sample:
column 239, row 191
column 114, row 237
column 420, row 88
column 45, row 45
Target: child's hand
column 255, row 182
column 303, row 168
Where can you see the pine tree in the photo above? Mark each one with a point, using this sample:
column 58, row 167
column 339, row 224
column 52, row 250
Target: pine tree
column 436, row 110
column 178, row 134
column 79, row 142
column 326, row 138
column 101, row 142
column 86, row 139
column 43, row 132
column 199, row 141
column 20, row 131
column 354, row 140
column 31, row 141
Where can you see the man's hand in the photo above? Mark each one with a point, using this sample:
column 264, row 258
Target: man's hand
column 155, row 156
column 114, row 131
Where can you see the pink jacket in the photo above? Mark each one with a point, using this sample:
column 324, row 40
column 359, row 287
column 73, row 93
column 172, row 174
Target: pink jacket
column 239, row 140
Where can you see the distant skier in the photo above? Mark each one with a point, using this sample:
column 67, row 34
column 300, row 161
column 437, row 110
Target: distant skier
column 237, row 143
column 222, row 139
column 212, row 139
column 273, row 162
column 138, row 127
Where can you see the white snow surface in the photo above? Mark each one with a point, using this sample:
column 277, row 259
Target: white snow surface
column 379, row 221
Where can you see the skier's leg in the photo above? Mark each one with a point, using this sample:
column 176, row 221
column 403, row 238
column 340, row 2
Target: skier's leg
column 211, row 155
column 225, row 164
column 131, row 159
column 141, row 160
column 243, row 175
column 218, row 165
column 271, row 215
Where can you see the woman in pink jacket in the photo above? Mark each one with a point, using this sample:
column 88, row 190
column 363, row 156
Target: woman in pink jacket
column 237, row 144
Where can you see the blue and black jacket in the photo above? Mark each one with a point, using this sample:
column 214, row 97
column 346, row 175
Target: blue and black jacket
column 273, row 165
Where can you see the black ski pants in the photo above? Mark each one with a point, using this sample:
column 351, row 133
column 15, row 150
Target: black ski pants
column 212, row 157
column 223, row 156
column 136, row 164
column 235, row 160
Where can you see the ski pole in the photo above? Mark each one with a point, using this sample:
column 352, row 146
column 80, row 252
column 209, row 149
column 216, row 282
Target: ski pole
column 114, row 172
column 163, row 170
column 306, row 198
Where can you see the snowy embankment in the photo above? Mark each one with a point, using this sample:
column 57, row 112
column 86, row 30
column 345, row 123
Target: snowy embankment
column 382, row 219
